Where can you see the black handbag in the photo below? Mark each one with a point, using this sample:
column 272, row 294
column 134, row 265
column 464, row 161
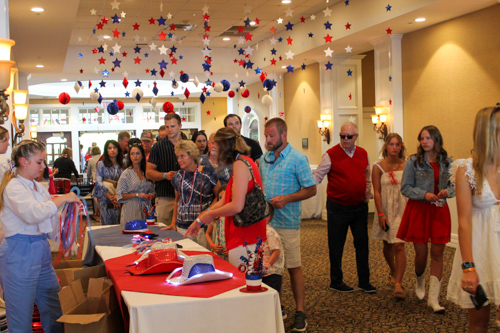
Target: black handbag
column 256, row 208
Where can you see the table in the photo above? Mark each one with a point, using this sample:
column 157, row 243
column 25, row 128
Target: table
column 231, row 311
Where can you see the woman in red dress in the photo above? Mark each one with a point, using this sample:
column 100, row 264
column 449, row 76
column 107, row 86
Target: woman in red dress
column 426, row 183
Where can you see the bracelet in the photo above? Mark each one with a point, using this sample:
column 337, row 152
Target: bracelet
column 379, row 215
column 468, row 264
column 164, row 175
column 470, row 269
column 212, row 245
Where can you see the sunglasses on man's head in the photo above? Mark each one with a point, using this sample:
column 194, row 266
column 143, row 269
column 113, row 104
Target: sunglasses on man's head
column 343, row 136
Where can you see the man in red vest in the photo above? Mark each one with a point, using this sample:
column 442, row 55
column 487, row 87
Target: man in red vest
column 348, row 193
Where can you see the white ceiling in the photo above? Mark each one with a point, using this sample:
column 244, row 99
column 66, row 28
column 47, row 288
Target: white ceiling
column 56, row 37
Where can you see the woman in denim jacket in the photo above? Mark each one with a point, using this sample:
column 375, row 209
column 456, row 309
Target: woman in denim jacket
column 426, row 217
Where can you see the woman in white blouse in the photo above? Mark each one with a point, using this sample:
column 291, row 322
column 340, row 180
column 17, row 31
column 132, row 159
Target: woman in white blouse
column 27, row 215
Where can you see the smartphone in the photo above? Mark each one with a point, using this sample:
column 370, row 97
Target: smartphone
column 480, row 297
column 387, row 226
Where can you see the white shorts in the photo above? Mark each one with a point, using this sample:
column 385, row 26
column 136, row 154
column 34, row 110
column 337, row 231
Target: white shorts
column 164, row 210
column 291, row 244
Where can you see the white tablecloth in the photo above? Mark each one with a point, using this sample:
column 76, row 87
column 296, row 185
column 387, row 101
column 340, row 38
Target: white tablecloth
column 232, row 311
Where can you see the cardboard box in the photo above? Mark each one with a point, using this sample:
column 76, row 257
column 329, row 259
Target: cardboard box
column 98, row 312
column 70, row 270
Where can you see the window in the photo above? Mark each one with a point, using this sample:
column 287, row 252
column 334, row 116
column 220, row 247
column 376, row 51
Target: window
column 187, row 114
column 152, row 115
column 55, row 146
column 34, row 117
column 44, row 117
column 90, row 117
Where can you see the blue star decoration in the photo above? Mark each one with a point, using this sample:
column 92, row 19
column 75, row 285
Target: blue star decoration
column 181, row 57
column 310, row 35
column 289, row 68
column 388, row 8
column 116, row 19
column 170, row 35
column 96, row 90
column 117, row 63
column 146, row 55
column 206, row 67
column 102, row 83
column 137, row 49
column 280, row 39
column 241, row 51
column 138, row 83
column 105, row 73
column 163, row 64
column 289, row 26
column 328, row 25
column 161, row 20
column 123, row 34
column 100, row 49
column 273, row 51
column 346, row 2
column 258, row 70
column 153, row 72
column 303, row 66
column 247, row 22
column 127, row 94
column 390, row 78
column 208, row 93
column 329, row 66
column 80, row 55
column 242, row 83
column 173, row 49
column 111, row 53
column 171, row 93
column 208, row 82
column 349, row 72
column 93, row 31
column 234, row 46
column 249, row 64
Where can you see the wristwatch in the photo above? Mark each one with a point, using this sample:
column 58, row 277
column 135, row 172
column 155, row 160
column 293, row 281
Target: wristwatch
column 136, row 194
column 468, row 264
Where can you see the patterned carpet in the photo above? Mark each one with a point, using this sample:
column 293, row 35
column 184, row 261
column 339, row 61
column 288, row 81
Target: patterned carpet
column 331, row 311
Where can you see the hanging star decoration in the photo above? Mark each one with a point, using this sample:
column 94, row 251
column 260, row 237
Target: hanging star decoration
column 389, row 31
column 329, row 65
column 289, row 26
column 105, row 73
column 349, row 72
column 388, row 8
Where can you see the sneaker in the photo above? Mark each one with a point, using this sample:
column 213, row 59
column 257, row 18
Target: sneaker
column 300, row 323
column 343, row 288
column 368, row 288
column 283, row 313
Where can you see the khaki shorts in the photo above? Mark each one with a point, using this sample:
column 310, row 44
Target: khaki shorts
column 164, row 210
column 291, row 244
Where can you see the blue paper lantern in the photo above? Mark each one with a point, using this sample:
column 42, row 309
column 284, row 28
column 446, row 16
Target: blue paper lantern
column 112, row 108
column 268, row 84
column 225, row 84
column 248, row 109
column 100, row 99
column 184, row 77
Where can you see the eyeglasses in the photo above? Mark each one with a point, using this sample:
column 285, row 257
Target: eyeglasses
column 135, row 144
column 349, row 137
column 270, row 162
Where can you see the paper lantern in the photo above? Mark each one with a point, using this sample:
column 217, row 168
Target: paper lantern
column 112, row 108
column 168, row 107
column 248, row 109
column 267, row 100
column 245, row 93
column 184, row 77
column 196, row 81
column 64, row 98
column 94, row 95
column 225, row 84
column 77, row 87
column 120, row 104
column 268, row 84
column 218, row 87
column 175, row 84
column 231, row 94
column 153, row 102
column 137, row 93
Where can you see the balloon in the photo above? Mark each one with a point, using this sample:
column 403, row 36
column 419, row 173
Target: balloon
column 245, row 93
column 218, row 87
column 231, row 94
column 168, row 107
column 120, row 104
column 184, row 77
column 112, row 108
column 64, row 98
column 248, row 109
column 267, row 100
column 225, row 84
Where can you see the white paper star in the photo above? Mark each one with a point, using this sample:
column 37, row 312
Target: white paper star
column 236, row 75
column 206, row 41
column 105, row 46
column 79, row 39
column 93, row 12
column 116, row 48
column 328, row 52
column 352, row 119
column 313, row 17
column 152, row 46
column 289, row 54
column 169, row 16
column 206, row 52
column 289, row 12
column 100, row 38
column 241, row 40
column 348, row 49
column 205, row 9
column 173, row 38
column 125, row 74
column 249, row 50
column 137, row 38
column 122, row 15
column 248, row 9
column 96, row 70
column 171, row 74
column 115, row 4
column 163, row 49
column 280, row 20
column 327, row 12
column 273, row 41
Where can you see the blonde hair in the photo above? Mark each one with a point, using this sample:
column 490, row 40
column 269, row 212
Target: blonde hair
column 4, row 133
column 390, row 136
column 26, row 149
column 230, row 145
column 190, row 148
column 486, row 142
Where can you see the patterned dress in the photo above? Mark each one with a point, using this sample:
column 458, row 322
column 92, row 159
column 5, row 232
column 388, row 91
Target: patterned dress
column 485, row 242
column 131, row 183
column 108, row 215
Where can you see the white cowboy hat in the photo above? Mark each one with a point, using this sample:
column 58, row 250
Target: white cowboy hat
column 197, row 269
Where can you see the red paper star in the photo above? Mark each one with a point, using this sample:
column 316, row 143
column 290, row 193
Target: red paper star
column 205, row 36
column 147, row 70
column 105, row 20
column 257, row 21
column 174, row 61
column 273, row 30
column 94, row 51
column 137, row 60
column 248, row 36
column 136, row 26
column 84, row 119
column 97, row 109
column 328, row 38
column 183, row 118
column 208, row 60
column 162, row 35
column 102, row 61
column 390, row 102
column 240, row 29
column 208, row 112
column 280, row 58
column 170, row 54
column 273, row 61
column 207, row 28
column 116, row 33
column 289, row 40
column 152, row 20
column 124, row 54
column 113, row 69
column 302, row 19
column 247, row 55
column 187, row 93
column 81, row 71
column 241, row 62
column 266, row 118
column 172, row 27
column 204, row 89
column 347, row 26
column 350, row 96
column 282, row 113
column 235, row 60
column 206, row 17
column 389, row 31
column 99, row 25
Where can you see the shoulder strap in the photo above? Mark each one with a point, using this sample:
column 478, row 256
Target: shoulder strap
column 251, row 172
column 379, row 167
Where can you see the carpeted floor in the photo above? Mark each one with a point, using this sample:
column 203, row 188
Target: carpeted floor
column 331, row 311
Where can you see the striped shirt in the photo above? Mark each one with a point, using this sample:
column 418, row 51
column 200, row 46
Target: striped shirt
column 163, row 156
column 287, row 174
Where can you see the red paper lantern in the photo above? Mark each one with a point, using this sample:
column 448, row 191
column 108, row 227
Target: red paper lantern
column 120, row 104
column 168, row 107
column 245, row 93
column 231, row 94
column 64, row 98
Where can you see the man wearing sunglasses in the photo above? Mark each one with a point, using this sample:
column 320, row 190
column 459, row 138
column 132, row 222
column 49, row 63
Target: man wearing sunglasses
column 348, row 192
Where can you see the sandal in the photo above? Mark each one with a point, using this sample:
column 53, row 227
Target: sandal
column 392, row 281
column 399, row 295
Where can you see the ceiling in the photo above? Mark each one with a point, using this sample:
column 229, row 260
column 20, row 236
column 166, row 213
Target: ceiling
column 68, row 37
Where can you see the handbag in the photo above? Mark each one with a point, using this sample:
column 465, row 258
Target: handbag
column 256, row 208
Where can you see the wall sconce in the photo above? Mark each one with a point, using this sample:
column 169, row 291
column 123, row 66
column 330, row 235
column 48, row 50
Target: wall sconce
column 5, row 66
column 20, row 113
column 379, row 120
column 324, row 126
column 33, row 132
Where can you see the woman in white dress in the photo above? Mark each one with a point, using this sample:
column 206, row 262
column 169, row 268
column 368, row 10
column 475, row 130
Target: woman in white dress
column 477, row 183
column 390, row 204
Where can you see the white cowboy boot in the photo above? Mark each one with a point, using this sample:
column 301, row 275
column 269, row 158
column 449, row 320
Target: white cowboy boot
column 420, row 286
column 433, row 300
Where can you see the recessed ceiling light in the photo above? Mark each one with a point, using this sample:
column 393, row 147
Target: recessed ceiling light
column 420, row 19
column 226, row 38
column 252, row 23
column 106, row 37
column 64, row 80
column 37, row 9
column 286, row 1
column 283, row 67
column 40, row 66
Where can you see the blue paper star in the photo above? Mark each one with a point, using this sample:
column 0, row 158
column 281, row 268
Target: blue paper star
column 289, row 68
column 328, row 25
column 241, row 51
column 93, row 31
column 80, row 55
column 242, row 83
column 127, row 94
column 153, row 72
column 146, row 55
column 274, row 83
column 173, row 49
column 116, row 19
column 388, row 8
column 208, row 82
column 208, row 93
column 117, row 63
column 105, row 73
column 163, row 64
column 206, row 67
column 390, row 78
column 102, row 83
column 329, row 66
column 161, row 21
column 247, row 22
column 303, row 66
column 280, row 39
column 111, row 53
column 170, row 35
column 234, row 46
column 346, row 2
column 96, row 90
column 273, row 51
column 100, row 49
column 181, row 57
column 258, row 70
column 123, row 34
column 137, row 49
column 311, row 34
column 248, row 64
column 349, row 72
column 138, row 83
column 289, row 26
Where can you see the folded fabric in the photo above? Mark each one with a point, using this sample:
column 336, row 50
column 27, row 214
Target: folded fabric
column 159, row 261
column 197, row 269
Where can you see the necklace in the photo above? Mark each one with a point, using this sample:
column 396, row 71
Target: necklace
column 192, row 187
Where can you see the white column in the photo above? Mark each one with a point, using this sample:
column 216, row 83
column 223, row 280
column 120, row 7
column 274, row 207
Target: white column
column 4, row 19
